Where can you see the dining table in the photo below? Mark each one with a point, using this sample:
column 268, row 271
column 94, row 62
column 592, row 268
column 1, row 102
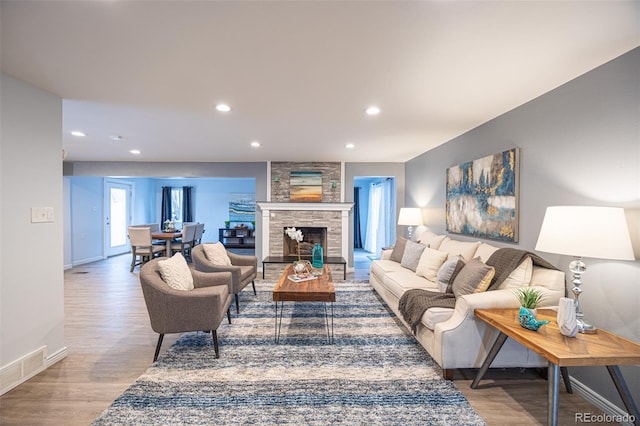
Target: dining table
column 167, row 237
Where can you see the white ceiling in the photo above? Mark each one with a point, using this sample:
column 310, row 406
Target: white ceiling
column 298, row 74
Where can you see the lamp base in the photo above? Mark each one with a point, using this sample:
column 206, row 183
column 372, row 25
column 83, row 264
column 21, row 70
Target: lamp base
column 586, row 328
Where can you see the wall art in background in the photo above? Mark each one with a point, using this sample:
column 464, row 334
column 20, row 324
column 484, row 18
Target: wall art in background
column 305, row 187
column 482, row 197
column 242, row 208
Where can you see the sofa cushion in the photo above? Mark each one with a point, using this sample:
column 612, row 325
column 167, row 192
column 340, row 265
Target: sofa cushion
column 430, row 262
column 465, row 249
column 433, row 316
column 484, row 251
column 447, row 273
column 176, row 273
column 519, row 277
column 411, row 256
column 398, row 250
column 400, row 281
column 431, row 239
column 217, row 254
column 475, row 277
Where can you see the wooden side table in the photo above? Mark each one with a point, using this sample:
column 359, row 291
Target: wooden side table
column 601, row 348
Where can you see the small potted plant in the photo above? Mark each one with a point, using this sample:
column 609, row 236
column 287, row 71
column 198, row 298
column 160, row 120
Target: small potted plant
column 529, row 298
column 227, row 223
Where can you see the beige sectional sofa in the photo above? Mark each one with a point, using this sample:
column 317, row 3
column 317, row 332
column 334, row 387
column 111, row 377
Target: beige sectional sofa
column 454, row 337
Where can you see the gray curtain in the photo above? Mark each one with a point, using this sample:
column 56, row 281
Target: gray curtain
column 357, row 233
column 166, row 205
column 187, row 204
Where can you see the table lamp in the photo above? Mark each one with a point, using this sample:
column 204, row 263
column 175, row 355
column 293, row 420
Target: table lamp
column 410, row 216
column 585, row 231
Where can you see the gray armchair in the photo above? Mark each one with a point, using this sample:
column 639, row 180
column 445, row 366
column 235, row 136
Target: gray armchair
column 244, row 269
column 178, row 311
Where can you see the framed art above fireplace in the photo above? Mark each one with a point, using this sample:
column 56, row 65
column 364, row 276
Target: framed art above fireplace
column 482, row 197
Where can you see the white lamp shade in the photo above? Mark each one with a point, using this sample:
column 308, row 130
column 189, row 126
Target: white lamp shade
column 586, row 231
column 411, row 216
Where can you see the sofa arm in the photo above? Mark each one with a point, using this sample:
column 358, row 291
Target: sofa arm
column 386, row 254
column 501, row 299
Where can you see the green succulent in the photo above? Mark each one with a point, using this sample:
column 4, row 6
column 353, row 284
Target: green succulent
column 529, row 297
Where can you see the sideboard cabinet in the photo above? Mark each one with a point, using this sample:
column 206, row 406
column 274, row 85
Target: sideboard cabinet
column 237, row 237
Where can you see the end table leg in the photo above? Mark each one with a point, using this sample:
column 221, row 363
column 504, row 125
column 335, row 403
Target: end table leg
column 623, row 391
column 552, row 394
column 497, row 345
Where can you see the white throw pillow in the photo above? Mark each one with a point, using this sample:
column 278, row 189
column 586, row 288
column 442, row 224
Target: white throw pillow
column 465, row 249
column 485, row 251
column 430, row 262
column 431, row 239
column 176, row 273
column 519, row 277
column 217, row 254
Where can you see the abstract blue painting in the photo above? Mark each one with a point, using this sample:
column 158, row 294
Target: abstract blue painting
column 242, row 208
column 482, row 197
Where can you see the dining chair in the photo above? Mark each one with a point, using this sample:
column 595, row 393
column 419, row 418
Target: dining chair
column 185, row 244
column 141, row 245
column 199, row 232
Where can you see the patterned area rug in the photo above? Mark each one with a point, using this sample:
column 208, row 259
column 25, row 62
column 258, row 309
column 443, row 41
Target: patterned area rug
column 374, row 373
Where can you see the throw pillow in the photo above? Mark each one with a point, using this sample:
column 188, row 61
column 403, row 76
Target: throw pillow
column 475, row 277
column 398, row 250
column 176, row 273
column 431, row 239
column 447, row 273
column 430, row 263
column 465, row 249
column 411, row 256
column 217, row 254
column 521, row 276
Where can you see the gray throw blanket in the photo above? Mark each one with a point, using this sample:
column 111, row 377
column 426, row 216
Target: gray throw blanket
column 414, row 303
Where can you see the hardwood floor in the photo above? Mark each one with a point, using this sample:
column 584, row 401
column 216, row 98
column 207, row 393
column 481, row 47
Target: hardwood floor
column 110, row 344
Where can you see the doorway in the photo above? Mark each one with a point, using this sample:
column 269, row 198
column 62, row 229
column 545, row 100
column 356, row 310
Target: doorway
column 374, row 214
column 118, row 196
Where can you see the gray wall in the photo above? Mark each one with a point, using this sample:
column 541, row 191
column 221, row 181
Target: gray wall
column 31, row 277
column 580, row 145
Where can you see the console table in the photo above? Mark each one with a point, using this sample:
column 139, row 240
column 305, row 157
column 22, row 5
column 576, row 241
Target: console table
column 602, row 348
column 328, row 260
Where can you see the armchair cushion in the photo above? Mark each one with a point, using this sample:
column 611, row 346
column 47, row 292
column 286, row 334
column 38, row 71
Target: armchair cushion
column 176, row 273
column 217, row 254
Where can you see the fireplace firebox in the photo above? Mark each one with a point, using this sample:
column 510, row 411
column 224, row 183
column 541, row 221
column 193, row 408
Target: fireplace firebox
column 312, row 235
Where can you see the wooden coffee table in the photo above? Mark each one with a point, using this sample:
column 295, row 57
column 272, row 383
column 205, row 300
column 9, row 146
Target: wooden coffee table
column 602, row 348
column 320, row 289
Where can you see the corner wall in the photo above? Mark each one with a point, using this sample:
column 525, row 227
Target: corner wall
column 31, row 254
column 580, row 145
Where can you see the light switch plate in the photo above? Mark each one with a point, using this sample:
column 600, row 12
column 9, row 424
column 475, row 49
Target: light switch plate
column 41, row 214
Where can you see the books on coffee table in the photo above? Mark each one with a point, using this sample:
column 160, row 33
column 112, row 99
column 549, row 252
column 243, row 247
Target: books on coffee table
column 302, row 277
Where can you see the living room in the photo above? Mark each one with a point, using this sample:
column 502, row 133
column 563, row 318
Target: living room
column 579, row 145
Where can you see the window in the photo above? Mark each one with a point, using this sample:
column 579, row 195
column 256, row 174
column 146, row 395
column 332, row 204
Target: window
column 176, row 204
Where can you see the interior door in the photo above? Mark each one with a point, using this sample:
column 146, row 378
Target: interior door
column 118, row 217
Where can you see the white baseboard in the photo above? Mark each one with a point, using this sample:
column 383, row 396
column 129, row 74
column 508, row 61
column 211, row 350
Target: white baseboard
column 617, row 415
column 29, row 365
column 88, row 260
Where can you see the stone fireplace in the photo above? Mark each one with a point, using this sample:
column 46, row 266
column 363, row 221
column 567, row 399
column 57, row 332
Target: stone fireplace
column 276, row 217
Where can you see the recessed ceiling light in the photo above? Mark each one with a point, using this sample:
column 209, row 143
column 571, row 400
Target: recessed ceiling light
column 372, row 110
column 255, row 144
column 116, row 137
column 78, row 133
column 349, row 146
column 223, row 108
column 135, row 151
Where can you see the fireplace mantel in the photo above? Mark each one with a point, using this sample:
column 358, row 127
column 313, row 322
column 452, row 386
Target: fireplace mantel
column 266, row 206
column 269, row 210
